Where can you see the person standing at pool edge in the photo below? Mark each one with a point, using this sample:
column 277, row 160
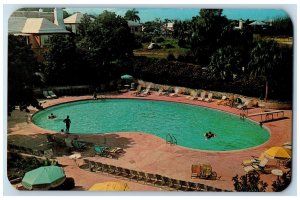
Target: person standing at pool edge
column 67, row 121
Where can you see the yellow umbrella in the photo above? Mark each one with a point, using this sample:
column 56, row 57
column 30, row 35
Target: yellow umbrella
column 278, row 152
column 109, row 186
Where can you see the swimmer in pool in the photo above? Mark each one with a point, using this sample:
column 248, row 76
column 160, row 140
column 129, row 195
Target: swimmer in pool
column 210, row 135
column 51, row 116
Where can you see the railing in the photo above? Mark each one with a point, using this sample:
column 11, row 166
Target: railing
column 170, row 139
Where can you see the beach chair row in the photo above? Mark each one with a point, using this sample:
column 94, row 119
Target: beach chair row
column 149, row 178
column 20, row 149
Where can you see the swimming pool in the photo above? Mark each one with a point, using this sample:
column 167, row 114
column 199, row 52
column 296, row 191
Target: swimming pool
column 187, row 123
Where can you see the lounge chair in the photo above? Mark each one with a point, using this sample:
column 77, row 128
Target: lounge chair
column 51, row 93
column 193, row 95
column 196, row 170
column 138, row 91
column 114, row 152
column 254, row 160
column 78, row 145
column 160, row 92
column 257, row 167
column 209, row 97
column 219, row 102
column 175, row 94
column 243, row 105
column 202, row 96
column 145, row 92
column 101, row 151
column 45, row 93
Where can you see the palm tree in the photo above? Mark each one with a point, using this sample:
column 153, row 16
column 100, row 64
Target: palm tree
column 132, row 15
column 265, row 59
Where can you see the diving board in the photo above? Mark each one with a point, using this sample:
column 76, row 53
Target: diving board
column 269, row 115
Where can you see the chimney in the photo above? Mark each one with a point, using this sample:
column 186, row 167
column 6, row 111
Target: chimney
column 241, row 24
column 58, row 18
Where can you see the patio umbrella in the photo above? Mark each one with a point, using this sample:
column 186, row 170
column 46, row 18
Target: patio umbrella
column 44, row 178
column 127, row 77
column 109, row 186
column 278, row 152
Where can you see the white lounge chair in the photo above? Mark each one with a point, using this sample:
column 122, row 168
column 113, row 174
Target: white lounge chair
column 202, row 96
column 209, row 97
column 193, row 96
column 51, row 93
column 256, row 167
column 146, row 92
column 45, row 93
column 175, row 94
column 219, row 102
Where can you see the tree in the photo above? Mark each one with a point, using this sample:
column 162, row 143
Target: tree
column 83, row 26
column 225, row 64
column 132, row 15
column 63, row 64
column 106, row 41
column 265, row 60
column 207, row 29
column 249, row 183
column 22, row 64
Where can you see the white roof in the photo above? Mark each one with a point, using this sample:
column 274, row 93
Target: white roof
column 41, row 25
column 75, row 19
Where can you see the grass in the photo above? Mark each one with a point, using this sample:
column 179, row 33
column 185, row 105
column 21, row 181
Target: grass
column 163, row 52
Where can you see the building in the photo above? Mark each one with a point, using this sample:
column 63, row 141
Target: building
column 134, row 26
column 37, row 30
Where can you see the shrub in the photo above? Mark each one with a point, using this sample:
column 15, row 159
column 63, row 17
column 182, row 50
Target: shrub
column 159, row 39
column 169, row 46
column 171, row 57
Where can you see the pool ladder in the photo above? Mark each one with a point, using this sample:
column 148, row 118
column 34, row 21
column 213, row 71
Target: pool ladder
column 170, row 139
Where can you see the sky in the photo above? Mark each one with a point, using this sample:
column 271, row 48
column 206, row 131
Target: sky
column 149, row 14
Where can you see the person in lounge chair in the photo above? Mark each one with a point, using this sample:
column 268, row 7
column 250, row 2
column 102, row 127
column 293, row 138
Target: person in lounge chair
column 210, row 135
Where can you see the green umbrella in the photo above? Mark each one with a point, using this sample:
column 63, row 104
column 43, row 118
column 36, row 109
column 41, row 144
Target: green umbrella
column 44, row 178
column 127, row 77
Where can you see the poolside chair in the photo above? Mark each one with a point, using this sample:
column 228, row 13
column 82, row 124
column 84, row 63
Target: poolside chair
column 143, row 176
column 202, row 96
column 151, row 178
column 45, row 93
column 196, row 170
column 243, row 105
column 257, row 167
column 125, row 173
column 114, row 152
column 101, row 151
column 146, row 92
column 78, row 145
column 209, row 97
column 68, row 142
column 51, row 94
column 138, row 91
column 176, row 93
column 219, row 102
column 160, row 92
column 193, row 95
column 254, row 160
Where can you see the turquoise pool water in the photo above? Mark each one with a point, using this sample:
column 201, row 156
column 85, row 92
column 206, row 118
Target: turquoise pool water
column 186, row 122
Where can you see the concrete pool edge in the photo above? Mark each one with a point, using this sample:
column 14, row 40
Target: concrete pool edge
column 190, row 102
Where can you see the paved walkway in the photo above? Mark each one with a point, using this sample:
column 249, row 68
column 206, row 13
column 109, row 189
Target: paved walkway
column 172, row 161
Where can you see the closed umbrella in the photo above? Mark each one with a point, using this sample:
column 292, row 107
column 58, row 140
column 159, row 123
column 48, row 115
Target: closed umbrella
column 127, row 77
column 109, row 186
column 44, row 178
column 278, row 152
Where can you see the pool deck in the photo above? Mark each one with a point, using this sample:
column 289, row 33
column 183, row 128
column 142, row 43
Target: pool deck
column 148, row 153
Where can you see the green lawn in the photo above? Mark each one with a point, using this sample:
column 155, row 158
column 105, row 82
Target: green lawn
column 163, row 52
